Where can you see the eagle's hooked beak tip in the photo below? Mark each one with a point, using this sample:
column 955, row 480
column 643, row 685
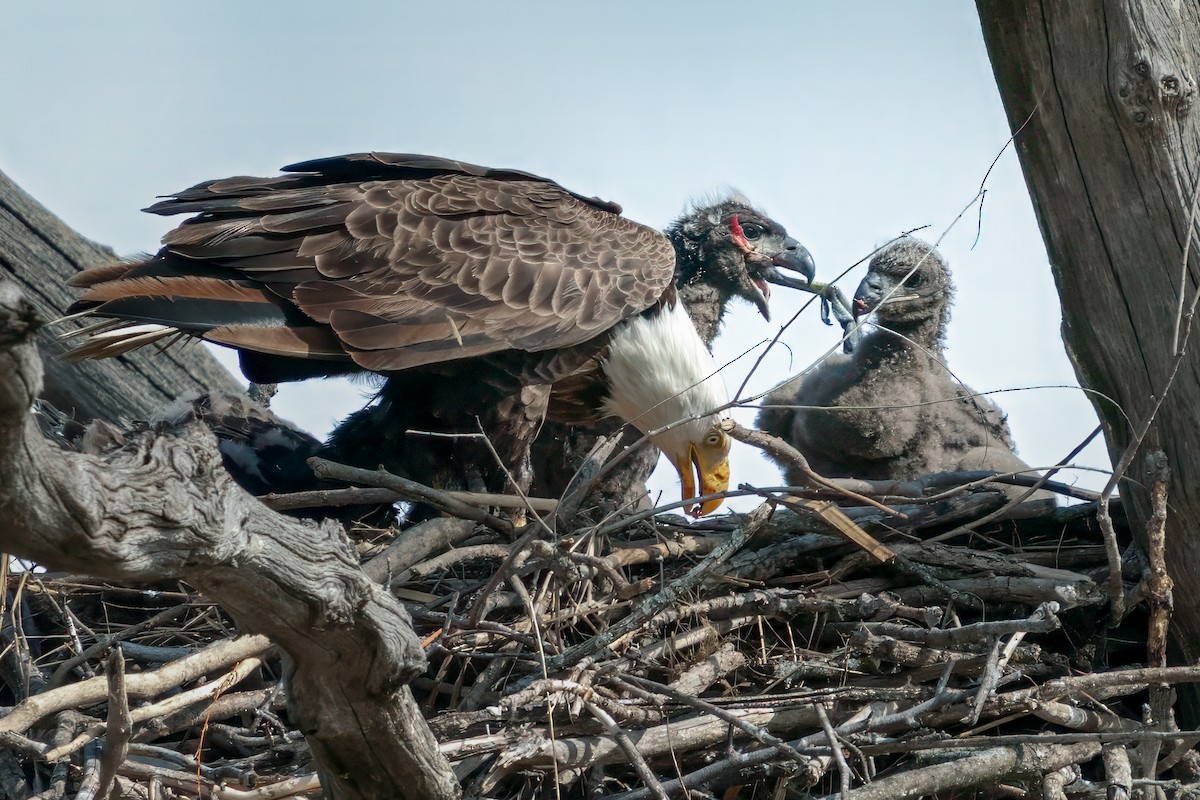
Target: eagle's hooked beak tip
column 796, row 258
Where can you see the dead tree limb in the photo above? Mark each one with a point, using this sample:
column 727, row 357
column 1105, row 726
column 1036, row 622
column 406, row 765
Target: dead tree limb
column 1109, row 154
column 40, row 253
column 163, row 506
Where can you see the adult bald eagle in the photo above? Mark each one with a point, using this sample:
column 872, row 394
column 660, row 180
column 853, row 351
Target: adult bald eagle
column 892, row 409
column 472, row 290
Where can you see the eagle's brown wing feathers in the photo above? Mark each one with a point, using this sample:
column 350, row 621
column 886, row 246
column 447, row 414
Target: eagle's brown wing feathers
column 390, row 261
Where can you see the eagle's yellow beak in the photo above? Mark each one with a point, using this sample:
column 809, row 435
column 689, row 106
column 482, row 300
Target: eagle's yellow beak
column 706, row 464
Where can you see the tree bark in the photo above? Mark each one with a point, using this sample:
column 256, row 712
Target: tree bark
column 162, row 506
column 40, row 253
column 1100, row 94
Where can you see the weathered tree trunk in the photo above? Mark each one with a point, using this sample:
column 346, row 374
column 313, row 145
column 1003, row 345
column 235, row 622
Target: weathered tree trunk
column 1102, row 93
column 40, row 253
column 163, row 506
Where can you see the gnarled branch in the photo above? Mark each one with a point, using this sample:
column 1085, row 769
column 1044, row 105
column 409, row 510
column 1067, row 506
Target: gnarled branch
column 162, row 506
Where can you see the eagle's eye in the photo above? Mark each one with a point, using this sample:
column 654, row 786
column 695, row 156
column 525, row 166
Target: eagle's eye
column 915, row 280
column 714, row 439
column 752, row 230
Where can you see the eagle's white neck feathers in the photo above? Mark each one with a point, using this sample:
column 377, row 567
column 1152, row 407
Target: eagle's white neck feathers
column 659, row 373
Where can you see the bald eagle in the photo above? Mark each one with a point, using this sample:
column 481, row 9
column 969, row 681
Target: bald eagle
column 471, row 290
column 892, row 409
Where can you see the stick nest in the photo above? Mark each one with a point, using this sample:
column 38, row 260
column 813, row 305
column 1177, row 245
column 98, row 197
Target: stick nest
column 746, row 656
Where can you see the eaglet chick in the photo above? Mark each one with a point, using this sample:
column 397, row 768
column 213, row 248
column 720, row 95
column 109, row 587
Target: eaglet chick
column 892, row 410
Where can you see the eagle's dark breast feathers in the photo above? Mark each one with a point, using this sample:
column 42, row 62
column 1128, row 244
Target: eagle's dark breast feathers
column 385, row 262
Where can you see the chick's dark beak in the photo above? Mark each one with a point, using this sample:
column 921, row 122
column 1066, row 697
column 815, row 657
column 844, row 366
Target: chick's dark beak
column 869, row 294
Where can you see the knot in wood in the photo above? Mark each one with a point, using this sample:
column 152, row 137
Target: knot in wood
column 1144, row 88
column 1137, row 92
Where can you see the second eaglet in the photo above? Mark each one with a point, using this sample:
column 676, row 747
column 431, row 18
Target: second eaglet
column 892, row 410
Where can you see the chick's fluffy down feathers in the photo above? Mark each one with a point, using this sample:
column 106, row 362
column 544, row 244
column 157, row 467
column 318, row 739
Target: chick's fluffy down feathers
column 892, row 410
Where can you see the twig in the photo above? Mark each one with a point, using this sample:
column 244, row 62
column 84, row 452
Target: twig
column 859, row 722
column 645, row 688
column 783, row 451
column 168, row 705
column 1158, row 580
column 410, row 490
column 417, row 544
column 631, row 752
column 990, row 766
column 302, row 784
column 119, row 727
column 1118, row 771
column 355, row 496
column 146, row 684
column 835, row 749
column 1159, row 598
column 670, row 594
column 961, row 529
column 64, row 669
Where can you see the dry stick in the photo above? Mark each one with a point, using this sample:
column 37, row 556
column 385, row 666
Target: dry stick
column 546, row 552
column 410, row 490
column 1158, row 586
column 651, row 690
column 1042, row 620
column 146, row 684
column 976, row 524
column 987, row 683
column 90, row 780
column 948, row 485
column 61, row 673
column 696, row 679
column 837, row 519
column 1181, row 319
column 119, row 727
column 643, row 552
column 859, row 722
column 416, row 544
column 835, row 750
column 670, row 594
column 989, row 766
column 354, row 496
column 451, row 557
column 330, row 498
column 1109, row 684
column 1010, row 740
column 1054, row 783
column 1118, row 771
column 168, row 705
column 783, row 451
column 291, row 787
column 631, row 752
column 174, row 779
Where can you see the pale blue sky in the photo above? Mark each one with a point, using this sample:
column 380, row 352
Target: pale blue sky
column 848, row 122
